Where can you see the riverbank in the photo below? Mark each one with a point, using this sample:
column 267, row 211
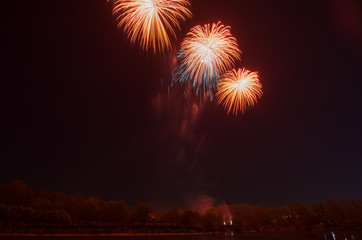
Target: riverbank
column 100, row 234
column 303, row 235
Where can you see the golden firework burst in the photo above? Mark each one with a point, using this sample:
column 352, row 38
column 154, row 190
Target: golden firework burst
column 206, row 53
column 151, row 23
column 239, row 89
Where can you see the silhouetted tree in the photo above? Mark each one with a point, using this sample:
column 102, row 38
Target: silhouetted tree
column 334, row 212
column 191, row 218
column 20, row 214
column 319, row 213
column 114, row 211
column 237, row 222
column 173, row 215
column 353, row 211
column 19, row 203
column 16, row 193
column 213, row 220
column 299, row 214
column 142, row 213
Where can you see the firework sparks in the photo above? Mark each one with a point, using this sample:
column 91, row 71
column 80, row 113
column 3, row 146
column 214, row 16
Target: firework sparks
column 151, row 23
column 205, row 54
column 239, row 89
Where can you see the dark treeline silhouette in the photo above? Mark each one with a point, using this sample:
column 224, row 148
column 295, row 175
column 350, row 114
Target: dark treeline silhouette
column 25, row 210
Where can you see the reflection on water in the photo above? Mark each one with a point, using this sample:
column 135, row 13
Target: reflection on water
column 331, row 235
column 342, row 236
column 229, row 236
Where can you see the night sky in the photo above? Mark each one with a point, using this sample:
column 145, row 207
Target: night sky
column 84, row 111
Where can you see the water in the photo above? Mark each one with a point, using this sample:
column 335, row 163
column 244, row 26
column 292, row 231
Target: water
column 244, row 236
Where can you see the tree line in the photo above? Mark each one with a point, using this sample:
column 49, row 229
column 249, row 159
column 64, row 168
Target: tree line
column 20, row 204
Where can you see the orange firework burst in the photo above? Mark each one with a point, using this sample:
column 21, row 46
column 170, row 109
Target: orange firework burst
column 151, row 22
column 239, row 89
column 205, row 54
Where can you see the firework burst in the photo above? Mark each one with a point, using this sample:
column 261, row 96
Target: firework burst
column 151, row 23
column 206, row 53
column 239, row 89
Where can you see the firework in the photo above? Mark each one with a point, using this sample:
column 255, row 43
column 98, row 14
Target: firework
column 239, row 89
column 151, row 23
column 205, row 54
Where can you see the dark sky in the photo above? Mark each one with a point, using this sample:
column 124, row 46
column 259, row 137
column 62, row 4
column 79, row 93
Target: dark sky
column 84, row 111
